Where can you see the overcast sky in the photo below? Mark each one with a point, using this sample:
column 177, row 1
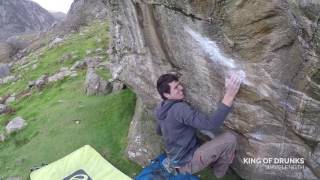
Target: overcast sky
column 55, row 5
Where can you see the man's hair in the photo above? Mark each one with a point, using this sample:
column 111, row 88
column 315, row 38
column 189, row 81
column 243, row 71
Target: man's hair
column 163, row 84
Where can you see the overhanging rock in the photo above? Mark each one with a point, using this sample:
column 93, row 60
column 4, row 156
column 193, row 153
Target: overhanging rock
column 273, row 44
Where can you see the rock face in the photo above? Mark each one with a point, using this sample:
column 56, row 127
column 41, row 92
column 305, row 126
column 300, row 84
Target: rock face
column 274, row 45
column 83, row 11
column 21, row 16
column 143, row 144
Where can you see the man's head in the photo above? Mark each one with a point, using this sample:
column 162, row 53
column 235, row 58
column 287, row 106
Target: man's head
column 169, row 87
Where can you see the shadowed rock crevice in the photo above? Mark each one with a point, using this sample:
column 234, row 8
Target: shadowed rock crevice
column 176, row 9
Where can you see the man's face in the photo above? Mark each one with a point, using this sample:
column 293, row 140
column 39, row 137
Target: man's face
column 176, row 91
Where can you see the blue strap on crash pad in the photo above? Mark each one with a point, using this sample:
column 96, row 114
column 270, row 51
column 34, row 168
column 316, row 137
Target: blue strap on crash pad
column 156, row 171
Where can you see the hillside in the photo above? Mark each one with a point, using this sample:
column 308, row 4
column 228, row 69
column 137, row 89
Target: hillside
column 59, row 16
column 22, row 16
column 60, row 116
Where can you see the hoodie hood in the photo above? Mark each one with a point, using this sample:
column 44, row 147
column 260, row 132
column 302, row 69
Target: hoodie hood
column 162, row 109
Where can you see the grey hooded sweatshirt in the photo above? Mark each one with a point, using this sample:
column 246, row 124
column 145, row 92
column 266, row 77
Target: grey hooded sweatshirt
column 177, row 123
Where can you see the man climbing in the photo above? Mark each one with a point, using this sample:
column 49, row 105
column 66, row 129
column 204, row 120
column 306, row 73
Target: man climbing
column 177, row 124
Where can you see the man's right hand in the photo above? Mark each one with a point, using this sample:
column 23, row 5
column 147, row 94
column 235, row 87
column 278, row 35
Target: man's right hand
column 232, row 85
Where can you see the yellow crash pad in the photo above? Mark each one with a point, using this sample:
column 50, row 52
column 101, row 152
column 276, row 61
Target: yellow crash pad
column 82, row 164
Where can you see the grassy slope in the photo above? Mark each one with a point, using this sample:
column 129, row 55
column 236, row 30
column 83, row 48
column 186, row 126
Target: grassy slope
column 52, row 131
column 51, row 114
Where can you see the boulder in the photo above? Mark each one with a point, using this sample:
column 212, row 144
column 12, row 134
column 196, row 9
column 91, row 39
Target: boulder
column 78, row 65
column 5, row 52
column 3, row 108
column 117, row 86
column 92, row 62
column 143, row 144
column 55, row 42
column 88, row 52
column 99, row 51
column 3, row 99
column 274, row 45
column 10, row 99
column 41, row 82
column 4, row 70
column 31, row 84
column 106, row 65
column 15, row 125
column 8, row 79
column 2, row 137
column 66, row 57
column 95, row 85
column 34, row 66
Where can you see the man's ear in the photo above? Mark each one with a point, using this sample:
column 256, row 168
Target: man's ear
column 166, row 95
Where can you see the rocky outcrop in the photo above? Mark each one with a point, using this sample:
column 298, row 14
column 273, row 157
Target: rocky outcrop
column 274, row 45
column 45, row 79
column 22, row 16
column 19, row 43
column 78, row 65
column 39, row 83
column 63, row 73
column 84, row 11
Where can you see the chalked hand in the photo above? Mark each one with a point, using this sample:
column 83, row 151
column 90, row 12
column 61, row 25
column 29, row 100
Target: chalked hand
column 232, row 85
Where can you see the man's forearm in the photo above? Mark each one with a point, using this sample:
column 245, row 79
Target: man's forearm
column 227, row 100
column 218, row 117
column 195, row 118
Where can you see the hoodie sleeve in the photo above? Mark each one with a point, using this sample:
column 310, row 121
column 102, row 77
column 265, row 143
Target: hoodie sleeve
column 158, row 127
column 193, row 117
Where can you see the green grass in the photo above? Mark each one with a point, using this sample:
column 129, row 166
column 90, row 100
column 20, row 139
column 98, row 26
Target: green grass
column 48, row 60
column 103, row 73
column 207, row 174
column 52, row 132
